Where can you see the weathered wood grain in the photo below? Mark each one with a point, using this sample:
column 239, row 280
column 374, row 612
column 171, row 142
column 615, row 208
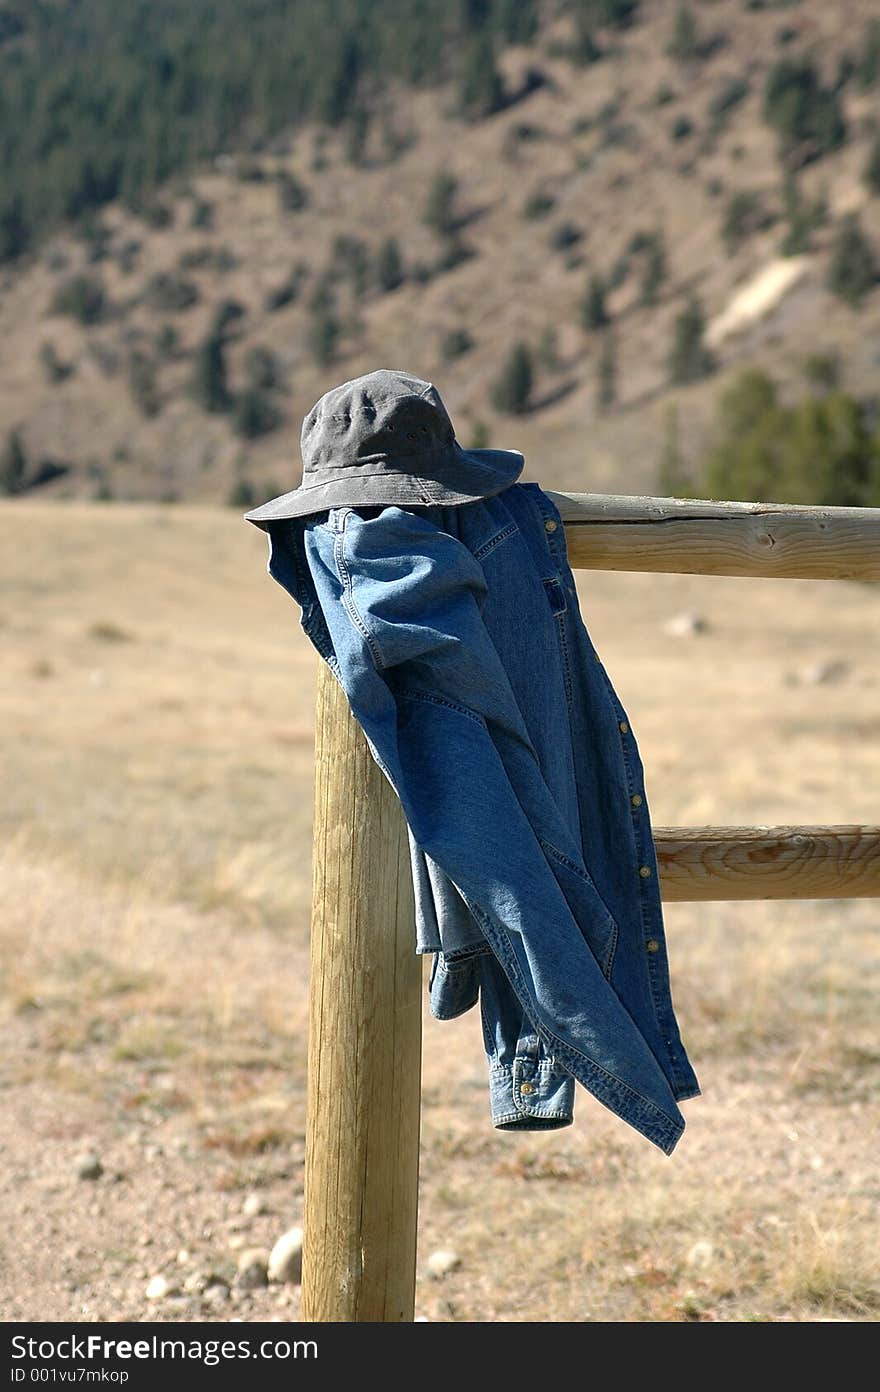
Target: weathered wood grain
column 696, row 536
column 779, row 862
column 364, row 1083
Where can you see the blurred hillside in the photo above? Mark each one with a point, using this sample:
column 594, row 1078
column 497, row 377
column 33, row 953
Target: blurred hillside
column 583, row 219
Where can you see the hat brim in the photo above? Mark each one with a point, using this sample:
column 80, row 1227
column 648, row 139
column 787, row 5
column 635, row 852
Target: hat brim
column 461, row 476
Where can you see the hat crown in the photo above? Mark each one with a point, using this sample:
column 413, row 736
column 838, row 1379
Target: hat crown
column 384, row 415
column 386, row 438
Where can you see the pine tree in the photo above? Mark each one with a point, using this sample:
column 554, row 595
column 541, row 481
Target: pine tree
column 13, row 464
column 357, row 134
column 823, row 450
column 803, row 217
column 336, row 95
column 167, row 341
column 583, row 50
column 512, row 389
column 202, row 215
column 170, row 293
column 473, row 15
column 606, row 393
column 15, row 234
column 808, row 117
column 142, row 384
column 672, row 476
column 254, row 413
column 227, row 313
column 323, row 294
column 323, row 337
column 210, row 387
column 480, row 435
column 871, row 174
column 594, row 314
column 797, row 238
column 242, row 494
column 81, row 297
column 481, row 89
column 438, row 214
column 292, row 195
column 605, row 14
column 689, row 358
column 455, row 344
column 685, row 43
column 55, row 369
column 743, row 215
column 653, row 270
column 853, row 270
column 548, row 348
column 358, row 267
column 389, row 265
column 262, row 369
column 517, row 20
column 822, row 371
column 868, row 65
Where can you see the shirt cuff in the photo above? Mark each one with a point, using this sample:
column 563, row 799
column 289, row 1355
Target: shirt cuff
column 531, row 1096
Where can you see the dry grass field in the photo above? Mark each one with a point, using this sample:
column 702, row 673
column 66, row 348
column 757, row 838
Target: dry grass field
column 156, row 751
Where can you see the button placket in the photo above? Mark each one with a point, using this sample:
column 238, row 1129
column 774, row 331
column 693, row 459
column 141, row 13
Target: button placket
column 636, row 799
column 649, row 905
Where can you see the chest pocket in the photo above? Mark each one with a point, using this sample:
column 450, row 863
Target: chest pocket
column 485, row 547
column 555, row 592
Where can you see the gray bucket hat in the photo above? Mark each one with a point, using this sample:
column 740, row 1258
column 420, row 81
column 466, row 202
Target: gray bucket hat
column 386, row 437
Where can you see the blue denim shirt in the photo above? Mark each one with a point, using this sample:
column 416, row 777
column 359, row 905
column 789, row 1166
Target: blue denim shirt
column 457, row 637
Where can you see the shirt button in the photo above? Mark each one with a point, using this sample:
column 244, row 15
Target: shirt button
column 623, row 727
column 644, row 871
column 549, row 525
column 527, row 1089
column 636, row 799
column 652, row 945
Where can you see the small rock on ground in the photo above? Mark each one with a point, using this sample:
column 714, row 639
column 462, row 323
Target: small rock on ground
column 252, row 1273
column 285, row 1259
column 158, row 1288
column 825, row 670
column 217, row 1294
column 685, row 625
column 702, row 1254
column 88, row 1166
column 442, row 1262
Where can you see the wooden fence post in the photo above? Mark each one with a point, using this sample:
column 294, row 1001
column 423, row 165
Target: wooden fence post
column 364, row 1080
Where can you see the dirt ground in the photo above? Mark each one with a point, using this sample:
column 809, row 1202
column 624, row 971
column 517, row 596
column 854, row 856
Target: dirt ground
column 156, row 727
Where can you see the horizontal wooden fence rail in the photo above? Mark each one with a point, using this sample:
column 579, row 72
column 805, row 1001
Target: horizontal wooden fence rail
column 696, row 536
column 781, row 862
